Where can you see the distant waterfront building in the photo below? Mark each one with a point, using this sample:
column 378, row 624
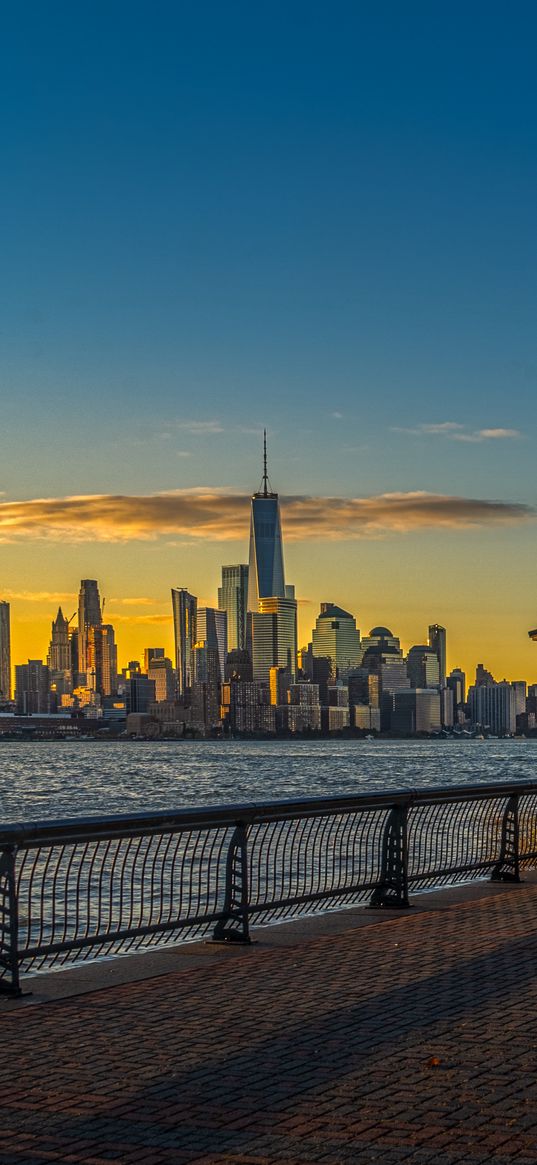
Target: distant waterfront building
column 5, row 651
column 89, row 615
column 266, row 577
column 161, row 672
column 32, row 684
column 250, row 710
column 139, row 694
column 483, row 678
column 336, row 637
column 519, row 688
column 233, row 599
column 384, row 659
column 493, row 706
column 211, row 629
column 423, row 667
column 437, row 643
column 151, row 653
column 456, row 680
column 184, row 606
column 417, row 710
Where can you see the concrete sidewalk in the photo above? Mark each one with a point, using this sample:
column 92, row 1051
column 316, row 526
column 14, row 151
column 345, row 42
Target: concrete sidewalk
column 361, row 1037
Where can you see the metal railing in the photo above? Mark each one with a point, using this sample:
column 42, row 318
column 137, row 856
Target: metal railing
column 93, row 887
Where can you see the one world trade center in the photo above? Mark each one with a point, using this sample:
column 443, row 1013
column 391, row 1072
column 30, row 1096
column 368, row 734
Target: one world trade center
column 265, row 573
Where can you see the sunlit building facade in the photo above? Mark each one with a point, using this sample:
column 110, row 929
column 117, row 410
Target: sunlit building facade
column 272, row 637
column 89, row 615
column 5, row 651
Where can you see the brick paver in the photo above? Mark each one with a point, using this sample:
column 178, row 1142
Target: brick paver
column 413, row 1040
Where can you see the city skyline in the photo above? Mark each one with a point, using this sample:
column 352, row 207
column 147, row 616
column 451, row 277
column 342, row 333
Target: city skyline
column 217, row 221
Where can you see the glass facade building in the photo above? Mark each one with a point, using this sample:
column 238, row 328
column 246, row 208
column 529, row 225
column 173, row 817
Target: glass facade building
column 211, row 630
column 233, row 599
column 265, row 570
column 272, row 637
column 184, row 607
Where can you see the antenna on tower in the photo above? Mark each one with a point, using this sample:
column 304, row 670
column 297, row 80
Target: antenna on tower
column 265, row 474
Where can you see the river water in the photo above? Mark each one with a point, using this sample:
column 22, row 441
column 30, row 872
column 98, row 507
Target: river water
column 41, row 780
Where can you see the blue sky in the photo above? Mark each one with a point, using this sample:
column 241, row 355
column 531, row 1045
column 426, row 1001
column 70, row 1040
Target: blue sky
column 318, row 218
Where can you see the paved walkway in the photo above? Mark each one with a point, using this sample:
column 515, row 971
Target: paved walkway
column 409, row 1038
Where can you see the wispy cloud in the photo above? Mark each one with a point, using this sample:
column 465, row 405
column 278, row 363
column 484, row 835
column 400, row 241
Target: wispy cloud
column 40, row 596
column 454, row 431
column 219, row 514
column 199, row 427
column 337, row 416
column 114, row 617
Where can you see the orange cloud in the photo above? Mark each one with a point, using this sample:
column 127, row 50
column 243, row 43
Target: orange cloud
column 222, row 515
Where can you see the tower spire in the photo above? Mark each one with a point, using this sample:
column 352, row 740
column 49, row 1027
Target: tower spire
column 265, row 474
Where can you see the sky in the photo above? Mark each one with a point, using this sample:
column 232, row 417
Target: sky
column 316, row 218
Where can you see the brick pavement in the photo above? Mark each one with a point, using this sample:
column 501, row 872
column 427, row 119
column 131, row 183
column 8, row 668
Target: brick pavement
column 413, row 1039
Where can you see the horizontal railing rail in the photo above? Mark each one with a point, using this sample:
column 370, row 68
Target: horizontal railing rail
column 102, row 886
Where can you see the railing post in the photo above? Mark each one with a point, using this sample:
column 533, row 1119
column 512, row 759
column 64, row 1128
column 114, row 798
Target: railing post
column 507, row 869
column 235, row 909
column 9, row 924
column 392, row 893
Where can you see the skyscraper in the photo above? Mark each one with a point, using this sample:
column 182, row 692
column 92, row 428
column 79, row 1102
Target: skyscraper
column 32, row 687
column 101, row 658
column 5, row 651
column 272, row 637
column 233, row 599
column 184, row 606
column 437, row 642
column 423, row 667
column 265, row 572
column 211, row 629
column 59, row 652
column 89, row 615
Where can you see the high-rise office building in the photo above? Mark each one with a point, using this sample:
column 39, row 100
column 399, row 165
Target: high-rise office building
column 493, row 706
column 211, row 629
column 519, row 688
column 423, row 667
column 89, row 615
column 337, row 637
column 32, row 687
column 151, row 653
column 5, row 651
column 101, row 659
column 266, row 577
column 161, row 671
column 272, row 637
column 437, row 643
column 456, row 680
column 233, row 599
column 185, row 607
column 417, row 710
